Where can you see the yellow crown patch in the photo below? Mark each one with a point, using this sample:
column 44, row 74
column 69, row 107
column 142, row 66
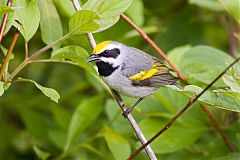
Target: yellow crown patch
column 100, row 46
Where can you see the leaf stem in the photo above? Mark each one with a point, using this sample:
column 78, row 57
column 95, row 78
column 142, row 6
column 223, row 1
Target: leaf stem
column 18, row 69
column 40, row 61
column 4, row 21
column 51, row 61
column 26, row 50
column 188, row 105
column 30, row 59
column 120, row 102
column 47, row 47
column 6, row 60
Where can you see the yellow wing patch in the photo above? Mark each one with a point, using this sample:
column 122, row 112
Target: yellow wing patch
column 144, row 75
column 100, row 46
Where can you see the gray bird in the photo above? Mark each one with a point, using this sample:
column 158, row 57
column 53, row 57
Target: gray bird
column 130, row 71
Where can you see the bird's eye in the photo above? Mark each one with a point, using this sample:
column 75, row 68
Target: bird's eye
column 105, row 52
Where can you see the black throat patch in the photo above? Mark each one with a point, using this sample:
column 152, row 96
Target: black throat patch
column 105, row 69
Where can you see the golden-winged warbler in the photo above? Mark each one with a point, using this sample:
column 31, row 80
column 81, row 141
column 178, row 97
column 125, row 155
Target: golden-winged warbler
column 130, row 71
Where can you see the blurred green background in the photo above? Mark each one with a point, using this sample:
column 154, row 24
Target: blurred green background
column 34, row 127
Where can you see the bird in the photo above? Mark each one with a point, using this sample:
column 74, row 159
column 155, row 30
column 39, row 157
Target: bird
column 130, row 71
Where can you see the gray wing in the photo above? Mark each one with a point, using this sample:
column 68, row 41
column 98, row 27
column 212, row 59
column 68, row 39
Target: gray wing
column 135, row 61
column 160, row 78
column 140, row 61
column 157, row 80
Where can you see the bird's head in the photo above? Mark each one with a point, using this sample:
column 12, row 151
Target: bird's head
column 108, row 52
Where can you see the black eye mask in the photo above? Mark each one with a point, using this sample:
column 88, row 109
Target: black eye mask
column 110, row 53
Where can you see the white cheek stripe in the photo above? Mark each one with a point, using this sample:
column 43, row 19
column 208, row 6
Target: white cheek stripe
column 113, row 61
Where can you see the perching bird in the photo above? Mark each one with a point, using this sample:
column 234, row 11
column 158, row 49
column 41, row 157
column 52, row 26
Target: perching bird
column 130, row 71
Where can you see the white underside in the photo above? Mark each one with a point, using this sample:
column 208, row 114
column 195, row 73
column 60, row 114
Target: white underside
column 123, row 85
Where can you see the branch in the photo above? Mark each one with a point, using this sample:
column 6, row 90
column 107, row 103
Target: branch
column 120, row 102
column 28, row 60
column 181, row 76
column 47, row 47
column 26, row 51
column 4, row 21
column 6, row 60
column 188, row 105
column 218, row 127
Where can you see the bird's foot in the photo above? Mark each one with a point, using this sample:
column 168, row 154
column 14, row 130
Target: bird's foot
column 126, row 112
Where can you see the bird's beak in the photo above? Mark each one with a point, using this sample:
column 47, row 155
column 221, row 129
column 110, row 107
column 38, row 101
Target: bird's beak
column 93, row 57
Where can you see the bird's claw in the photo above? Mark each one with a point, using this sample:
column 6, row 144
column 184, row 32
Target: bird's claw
column 126, row 112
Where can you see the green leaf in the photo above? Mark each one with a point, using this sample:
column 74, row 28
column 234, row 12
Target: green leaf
column 28, row 16
column 41, row 154
column 84, row 115
column 11, row 20
column 233, row 8
column 66, row 7
column 11, row 14
column 35, row 122
column 49, row 92
column 233, row 156
column 208, row 4
column 1, row 88
column 61, row 116
column 223, row 99
column 94, row 151
column 75, row 54
column 202, row 64
column 232, row 83
column 5, row 9
column 175, row 55
column 57, row 137
column 118, row 145
column 50, row 23
column 228, row 100
column 108, row 11
column 179, row 136
column 136, row 12
column 83, row 21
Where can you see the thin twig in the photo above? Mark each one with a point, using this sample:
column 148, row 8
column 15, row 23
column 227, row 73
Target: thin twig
column 218, row 128
column 40, row 61
column 237, row 35
column 26, row 51
column 4, row 21
column 229, row 28
column 181, row 76
column 24, row 63
column 47, row 47
column 76, row 5
column 232, row 44
column 51, row 61
column 135, row 126
column 190, row 102
column 120, row 102
column 91, row 40
column 6, row 60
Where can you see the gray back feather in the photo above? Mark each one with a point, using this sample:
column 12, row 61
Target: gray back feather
column 135, row 61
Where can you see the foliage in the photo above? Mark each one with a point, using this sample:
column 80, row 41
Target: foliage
column 78, row 119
